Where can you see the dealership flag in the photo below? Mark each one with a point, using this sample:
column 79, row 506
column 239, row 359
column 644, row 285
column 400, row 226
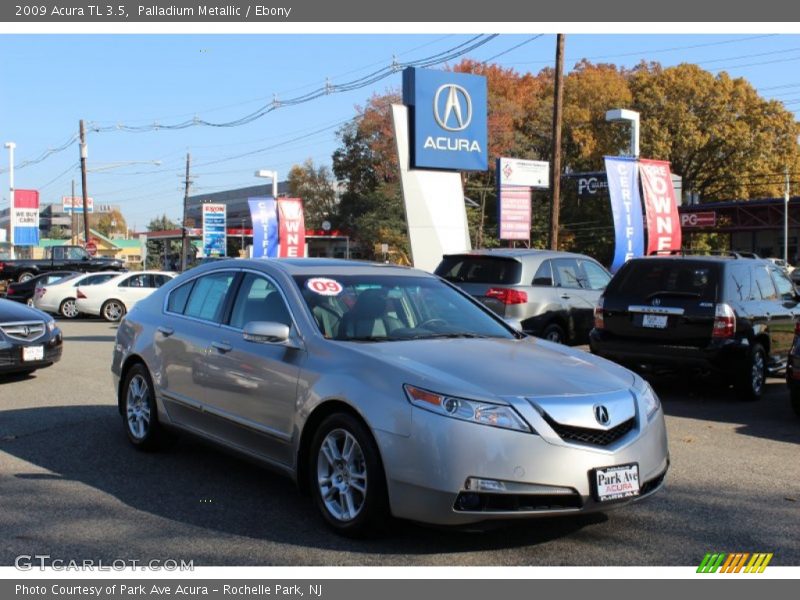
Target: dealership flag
column 264, row 215
column 626, row 208
column 663, row 222
column 291, row 228
column 26, row 217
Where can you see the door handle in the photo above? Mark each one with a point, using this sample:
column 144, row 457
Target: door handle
column 222, row 347
column 165, row 331
column 566, row 296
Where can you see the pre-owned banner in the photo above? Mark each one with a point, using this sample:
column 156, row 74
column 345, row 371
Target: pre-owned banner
column 263, row 212
column 626, row 208
column 663, row 222
column 291, row 227
column 26, row 217
column 214, row 230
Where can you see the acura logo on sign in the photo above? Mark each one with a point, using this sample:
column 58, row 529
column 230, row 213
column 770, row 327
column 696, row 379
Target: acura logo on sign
column 601, row 414
column 452, row 107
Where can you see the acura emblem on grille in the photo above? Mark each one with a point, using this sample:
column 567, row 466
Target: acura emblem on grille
column 26, row 331
column 601, row 414
column 656, row 301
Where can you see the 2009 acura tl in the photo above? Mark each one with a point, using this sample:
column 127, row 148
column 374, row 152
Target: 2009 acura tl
column 385, row 390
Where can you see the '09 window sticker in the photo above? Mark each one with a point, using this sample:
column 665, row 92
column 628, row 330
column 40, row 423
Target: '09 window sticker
column 324, row 286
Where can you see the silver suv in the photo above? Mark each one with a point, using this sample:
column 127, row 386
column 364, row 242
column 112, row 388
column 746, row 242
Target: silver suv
column 553, row 294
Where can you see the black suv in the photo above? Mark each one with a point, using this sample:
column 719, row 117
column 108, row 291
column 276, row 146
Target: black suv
column 728, row 315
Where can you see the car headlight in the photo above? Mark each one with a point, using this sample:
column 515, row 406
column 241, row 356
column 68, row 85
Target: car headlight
column 483, row 413
column 648, row 397
column 51, row 326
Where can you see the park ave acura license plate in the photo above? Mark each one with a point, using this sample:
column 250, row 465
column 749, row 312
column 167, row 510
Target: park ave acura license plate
column 616, row 483
column 654, row 321
column 30, row 353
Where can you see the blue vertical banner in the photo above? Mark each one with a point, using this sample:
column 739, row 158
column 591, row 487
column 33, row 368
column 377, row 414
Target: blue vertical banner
column 264, row 214
column 626, row 208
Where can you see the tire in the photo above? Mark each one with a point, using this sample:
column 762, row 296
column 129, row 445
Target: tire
column 68, row 308
column 25, row 276
column 795, row 399
column 139, row 411
column 751, row 382
column 112, row 310
column 554, row 333
column 354, row 502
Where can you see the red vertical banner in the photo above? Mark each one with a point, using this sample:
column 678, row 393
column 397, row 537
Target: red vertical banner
column 661, row 208
column 291, row 228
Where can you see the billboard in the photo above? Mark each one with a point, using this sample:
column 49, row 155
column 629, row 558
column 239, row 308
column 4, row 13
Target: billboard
column 622, row 183
column 70, row 204
column 661, row 209
column 214, row 232
column 263, row 212
column 291, row 228
column 25, row 219
column 529, row 173
column 448, row 113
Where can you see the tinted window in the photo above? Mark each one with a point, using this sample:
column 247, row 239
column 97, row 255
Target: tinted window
column 207, row 297
column 95, row 279
column 480, row 269
column 159, row 280
column 764, row 284
column 137, row 281
column 258, row 300
column 647, row 278
column 597, row 277
column 783, row 283
column 567, row 273
column 76, row 253
column 738, row 284
column 544, row 274
column 178, row 297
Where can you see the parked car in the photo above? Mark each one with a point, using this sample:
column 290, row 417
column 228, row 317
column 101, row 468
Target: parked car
column 60, row 298
column 116, row 296
column 57, row 258
column 728, row 316
column 793, row 371
column 25, row 292
column 385, row 390
column 553, row 294
column 29, row 339
column 782, row 265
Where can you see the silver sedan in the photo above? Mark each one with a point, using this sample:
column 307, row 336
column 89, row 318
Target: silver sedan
column 385, row 391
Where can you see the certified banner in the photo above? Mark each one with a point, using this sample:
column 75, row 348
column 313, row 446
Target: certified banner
column 214, row 232
column 626, row 208
column 263, row 212
column 291, row 227
column 661, row 208
column 26, row 217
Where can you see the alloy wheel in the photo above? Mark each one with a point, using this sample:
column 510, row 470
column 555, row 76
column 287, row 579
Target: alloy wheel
column 69, row 309
column 757, row 371
column 112, row 311
column 137, row 407
column 342, row 475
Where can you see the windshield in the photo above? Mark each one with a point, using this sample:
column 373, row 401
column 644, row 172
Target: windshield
column 373, row 308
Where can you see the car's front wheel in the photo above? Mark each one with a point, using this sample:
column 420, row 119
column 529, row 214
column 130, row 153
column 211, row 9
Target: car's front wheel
column 554, row 333
column 139, row 412
column 753, row 378
column 68, row 309
column 112, row 310
column 347, row 478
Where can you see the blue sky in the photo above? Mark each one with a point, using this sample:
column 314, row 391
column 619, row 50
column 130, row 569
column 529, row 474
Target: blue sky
column 49, row 82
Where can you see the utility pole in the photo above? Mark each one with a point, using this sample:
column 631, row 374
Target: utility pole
column 83, row 185
column 786, row 218
column 555, row 175
column 10, row 146
column 72, row 225
column 186, row 184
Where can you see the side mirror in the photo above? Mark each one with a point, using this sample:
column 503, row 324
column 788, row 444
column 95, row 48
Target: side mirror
column 265, row 332
column 515, row 324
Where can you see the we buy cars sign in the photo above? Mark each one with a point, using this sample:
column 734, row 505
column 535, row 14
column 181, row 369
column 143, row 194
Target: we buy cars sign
column 661, row 209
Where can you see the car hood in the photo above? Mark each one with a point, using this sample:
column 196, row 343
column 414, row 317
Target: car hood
column 14, row 311
column 499, row 367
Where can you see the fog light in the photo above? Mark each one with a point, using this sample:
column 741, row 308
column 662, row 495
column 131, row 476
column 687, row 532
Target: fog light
column 468, row 501
column 485, row 485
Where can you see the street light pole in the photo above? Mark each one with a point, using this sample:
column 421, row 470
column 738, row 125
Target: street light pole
column 270, row 175
column 11, row 146
column 631, row 116
column 786, row 219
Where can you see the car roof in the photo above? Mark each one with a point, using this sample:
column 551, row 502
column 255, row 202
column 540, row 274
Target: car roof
column 519, row 253
column 317, row 266
column 711, row 258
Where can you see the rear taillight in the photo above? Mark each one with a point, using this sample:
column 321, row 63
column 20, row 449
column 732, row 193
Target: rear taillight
column 724, row 322
column 2, row 266
column 599, row 322
column 507, row 295
column 80, row 294
column 10, row 289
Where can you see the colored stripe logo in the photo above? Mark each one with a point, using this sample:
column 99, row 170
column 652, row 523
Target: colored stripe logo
column 737, row 562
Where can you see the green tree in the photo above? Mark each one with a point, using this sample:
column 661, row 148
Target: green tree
column 58, row 233
column 317, row 188
column 161, row 254
column 108, row 223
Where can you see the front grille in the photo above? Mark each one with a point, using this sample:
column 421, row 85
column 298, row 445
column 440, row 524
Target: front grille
column 649, row 486
column 594, row 437
column 26, row 331
column 482, row 502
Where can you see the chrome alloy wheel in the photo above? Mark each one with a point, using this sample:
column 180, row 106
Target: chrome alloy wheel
column 69, row 309
column 112, row 310
column 757, row 372
column 137, row 407
column 342, row 475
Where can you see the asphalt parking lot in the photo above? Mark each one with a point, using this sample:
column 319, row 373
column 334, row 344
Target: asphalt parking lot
column 72, row 487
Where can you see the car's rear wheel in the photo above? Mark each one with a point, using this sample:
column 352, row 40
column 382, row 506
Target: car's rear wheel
column 139, row 411
column 752, row 379
column 347, row 478
column 25, row 276
column 68, row 308
column 554, row 333
column 112, row 310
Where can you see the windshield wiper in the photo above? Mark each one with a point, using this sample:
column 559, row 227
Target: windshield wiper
column 370, row 338
column 674, row 293
column 451, row 335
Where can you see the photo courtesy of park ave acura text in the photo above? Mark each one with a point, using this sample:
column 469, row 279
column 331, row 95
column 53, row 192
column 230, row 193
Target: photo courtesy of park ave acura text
column 441, row 298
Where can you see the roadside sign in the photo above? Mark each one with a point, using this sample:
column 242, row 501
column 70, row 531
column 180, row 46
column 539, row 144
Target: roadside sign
column 91, row 248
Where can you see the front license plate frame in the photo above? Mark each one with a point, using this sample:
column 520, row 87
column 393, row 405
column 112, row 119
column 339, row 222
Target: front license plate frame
column 32, row 353
column 617, row 482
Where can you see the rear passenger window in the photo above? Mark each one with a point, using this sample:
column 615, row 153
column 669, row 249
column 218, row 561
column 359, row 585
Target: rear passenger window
column 764, row 284
column 207, row 297
column 177, row 299
column 544, row 274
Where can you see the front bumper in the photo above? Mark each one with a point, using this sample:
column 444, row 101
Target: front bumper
column 11, row 353
column 427, row 472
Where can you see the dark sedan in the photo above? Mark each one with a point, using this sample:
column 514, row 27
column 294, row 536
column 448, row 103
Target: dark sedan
column 25, row 291
column 29, row 339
